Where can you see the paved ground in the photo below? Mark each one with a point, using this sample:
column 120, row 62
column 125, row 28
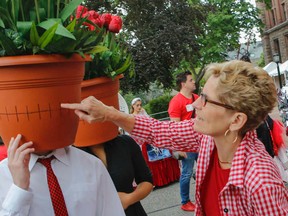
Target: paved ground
column 166, row 201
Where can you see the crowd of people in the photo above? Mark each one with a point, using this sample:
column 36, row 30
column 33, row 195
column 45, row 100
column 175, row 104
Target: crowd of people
column 235, row 174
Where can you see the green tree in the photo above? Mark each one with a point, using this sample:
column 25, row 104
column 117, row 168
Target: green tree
column 261, row 62
column 163, row 35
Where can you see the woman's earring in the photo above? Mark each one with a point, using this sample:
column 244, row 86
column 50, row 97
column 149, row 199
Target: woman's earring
column 226, row 132
column 235, row 139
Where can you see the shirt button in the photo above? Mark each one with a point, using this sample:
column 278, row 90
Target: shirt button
column 225, row 210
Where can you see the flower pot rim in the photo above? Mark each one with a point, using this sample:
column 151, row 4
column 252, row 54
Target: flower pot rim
column 40, row 59
column 98, row 80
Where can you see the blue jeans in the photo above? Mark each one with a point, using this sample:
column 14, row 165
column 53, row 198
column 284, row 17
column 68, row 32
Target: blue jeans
column 186, row 173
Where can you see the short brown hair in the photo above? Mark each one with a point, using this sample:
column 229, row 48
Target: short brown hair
column 247, row 88
column 181, row 77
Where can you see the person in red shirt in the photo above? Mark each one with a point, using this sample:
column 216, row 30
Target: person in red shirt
column 180, row 108
column 235, row 175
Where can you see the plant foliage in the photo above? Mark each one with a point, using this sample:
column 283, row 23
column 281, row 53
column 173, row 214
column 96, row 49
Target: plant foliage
column 162, row 34
column 44, row 26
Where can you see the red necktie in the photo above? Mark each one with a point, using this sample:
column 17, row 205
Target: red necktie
column 56, row 195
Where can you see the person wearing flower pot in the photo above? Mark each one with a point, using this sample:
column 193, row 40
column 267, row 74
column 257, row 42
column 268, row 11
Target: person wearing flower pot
column 123, row 159
column 235, row 175
column 28, row 186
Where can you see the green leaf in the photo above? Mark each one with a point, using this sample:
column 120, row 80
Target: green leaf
column 14, row 10
column 69, row 9
column 98, row 49
column 125, row 66
column 2, row 23
column 48, row 35
column 7, row 19
column 34, row 36
column 24, row 26
column 71, row 26
column 8, row 45
column 61, row 30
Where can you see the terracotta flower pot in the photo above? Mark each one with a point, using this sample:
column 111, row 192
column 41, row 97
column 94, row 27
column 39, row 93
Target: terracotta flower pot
column 31, row 90
column 105, row 90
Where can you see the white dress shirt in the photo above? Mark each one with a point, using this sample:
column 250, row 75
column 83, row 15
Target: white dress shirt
column 84, row 180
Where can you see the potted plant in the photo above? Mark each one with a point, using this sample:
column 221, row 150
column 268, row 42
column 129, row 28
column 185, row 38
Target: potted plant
column 40, row 36
column 102, row 75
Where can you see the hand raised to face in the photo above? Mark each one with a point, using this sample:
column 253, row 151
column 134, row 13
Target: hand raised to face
column 18, row 161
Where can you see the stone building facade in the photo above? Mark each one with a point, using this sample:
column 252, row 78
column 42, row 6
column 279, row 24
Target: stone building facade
column 275, row 35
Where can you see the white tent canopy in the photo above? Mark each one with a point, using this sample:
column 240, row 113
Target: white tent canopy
column 272, row 70
column 269, row 67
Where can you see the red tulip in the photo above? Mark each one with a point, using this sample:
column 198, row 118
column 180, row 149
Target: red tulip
column 94, row 17
column 91, row 15
column 106, row 19
column 115, row 24
column 99, row 22
column 80, row 11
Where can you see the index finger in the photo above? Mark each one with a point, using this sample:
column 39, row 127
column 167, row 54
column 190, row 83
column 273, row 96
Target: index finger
column 74, row 106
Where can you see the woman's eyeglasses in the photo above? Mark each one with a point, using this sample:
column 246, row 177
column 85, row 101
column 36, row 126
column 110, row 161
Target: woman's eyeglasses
column 204, row 100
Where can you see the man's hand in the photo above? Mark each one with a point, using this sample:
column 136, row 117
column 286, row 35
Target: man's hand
column 18, row 162
column 182, row 154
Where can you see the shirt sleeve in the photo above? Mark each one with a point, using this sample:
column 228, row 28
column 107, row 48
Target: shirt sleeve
column 17, row 202
column 174, row 109
column 179, row 136
column 271, row 200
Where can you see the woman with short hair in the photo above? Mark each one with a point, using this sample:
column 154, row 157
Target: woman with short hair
column 235, row 174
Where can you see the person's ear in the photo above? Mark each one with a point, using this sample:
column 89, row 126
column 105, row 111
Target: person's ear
column 238, row 121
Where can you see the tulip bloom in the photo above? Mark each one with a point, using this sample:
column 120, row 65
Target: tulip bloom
column 115, row 24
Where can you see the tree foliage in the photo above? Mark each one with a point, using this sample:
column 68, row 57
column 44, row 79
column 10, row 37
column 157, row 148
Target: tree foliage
column 164, row 35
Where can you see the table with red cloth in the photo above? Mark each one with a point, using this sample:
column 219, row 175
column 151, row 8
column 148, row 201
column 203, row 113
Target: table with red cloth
column 3, row 152
column 163, row 171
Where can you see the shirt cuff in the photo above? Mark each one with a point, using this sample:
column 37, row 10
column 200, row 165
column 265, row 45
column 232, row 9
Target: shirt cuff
column 17, row 200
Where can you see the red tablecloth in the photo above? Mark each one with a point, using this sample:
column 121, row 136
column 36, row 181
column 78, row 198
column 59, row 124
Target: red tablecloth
column 163, row 171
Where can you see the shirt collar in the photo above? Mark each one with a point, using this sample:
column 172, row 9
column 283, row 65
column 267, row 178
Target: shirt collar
column 60, row 155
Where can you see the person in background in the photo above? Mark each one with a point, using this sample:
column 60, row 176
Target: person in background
column 85, row 185
column 136, row 107
column 180, row 108
column 124, row 161
column 164, row 170
column 270, row 132
column 235, row 175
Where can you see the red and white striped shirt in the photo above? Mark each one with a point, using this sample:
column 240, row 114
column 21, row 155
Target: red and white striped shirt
column 254, row 186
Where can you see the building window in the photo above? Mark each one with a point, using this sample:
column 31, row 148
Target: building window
column 286, row 44
column 284, row 16
column 277, row 48
column 273, row 17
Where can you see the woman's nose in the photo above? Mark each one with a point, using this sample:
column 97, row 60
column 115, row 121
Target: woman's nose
column 197, row 103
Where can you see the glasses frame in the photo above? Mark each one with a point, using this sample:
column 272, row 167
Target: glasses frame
column 213, row 102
